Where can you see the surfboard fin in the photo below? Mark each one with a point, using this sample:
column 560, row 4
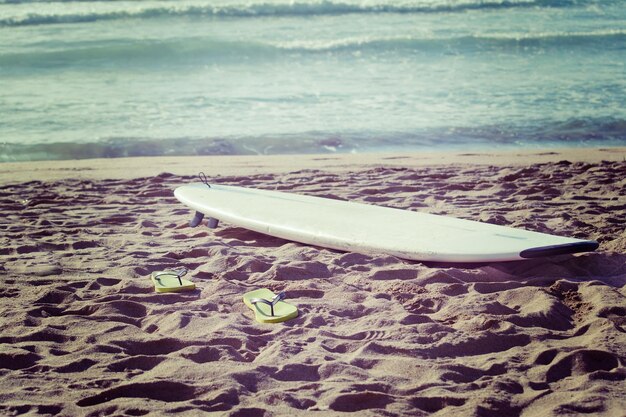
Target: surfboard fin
column 212, row 223
column 197, row 219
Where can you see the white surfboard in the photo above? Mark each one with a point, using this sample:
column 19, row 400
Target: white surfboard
column 365, row 228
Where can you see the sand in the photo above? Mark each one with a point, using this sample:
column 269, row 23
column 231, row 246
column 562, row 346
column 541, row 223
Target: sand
column 84, row 334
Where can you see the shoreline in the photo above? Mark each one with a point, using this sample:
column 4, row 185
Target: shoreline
column 225, row 165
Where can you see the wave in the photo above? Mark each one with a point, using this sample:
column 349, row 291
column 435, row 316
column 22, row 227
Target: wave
column 465, row 43
column 65, row 14
column 137, row 53
column 569, row 133
column 176, row 51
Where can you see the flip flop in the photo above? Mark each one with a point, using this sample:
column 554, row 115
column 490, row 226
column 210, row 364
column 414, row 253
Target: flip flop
column 171, row 280
column 269, row 307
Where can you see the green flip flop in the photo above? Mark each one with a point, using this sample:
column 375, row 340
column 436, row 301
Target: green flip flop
column 269, row 307
column 171, row 280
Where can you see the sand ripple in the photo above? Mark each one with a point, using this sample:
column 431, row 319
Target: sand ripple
column 84, row 334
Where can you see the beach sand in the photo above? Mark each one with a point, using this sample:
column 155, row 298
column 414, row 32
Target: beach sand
column 84, row 334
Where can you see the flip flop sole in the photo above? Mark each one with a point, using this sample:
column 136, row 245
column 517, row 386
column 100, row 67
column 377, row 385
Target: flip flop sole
column 169, row 283
column 262, row 312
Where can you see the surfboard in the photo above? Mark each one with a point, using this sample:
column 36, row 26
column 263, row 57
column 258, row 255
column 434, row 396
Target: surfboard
column 365, row 228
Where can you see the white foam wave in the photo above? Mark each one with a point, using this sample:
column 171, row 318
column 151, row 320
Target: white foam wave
column 22, row 13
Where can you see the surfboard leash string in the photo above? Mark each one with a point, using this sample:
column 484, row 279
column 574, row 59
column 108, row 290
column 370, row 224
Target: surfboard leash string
column 204, row 179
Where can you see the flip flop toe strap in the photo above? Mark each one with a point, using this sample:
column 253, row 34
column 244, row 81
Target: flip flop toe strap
column 177, row 272
column 278, row 297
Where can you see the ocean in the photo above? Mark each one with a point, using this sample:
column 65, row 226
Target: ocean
column 85, row 79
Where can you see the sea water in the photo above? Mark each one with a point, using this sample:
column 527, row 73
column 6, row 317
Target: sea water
column 119, row 78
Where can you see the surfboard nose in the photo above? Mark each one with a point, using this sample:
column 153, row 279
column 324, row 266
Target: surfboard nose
column 583, row 246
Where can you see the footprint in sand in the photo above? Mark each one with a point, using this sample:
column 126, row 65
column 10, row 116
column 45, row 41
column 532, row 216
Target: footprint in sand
column 159, row 390
column 581, row 362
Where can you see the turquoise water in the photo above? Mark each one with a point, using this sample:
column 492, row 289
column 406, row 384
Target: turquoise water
column 116, row 78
